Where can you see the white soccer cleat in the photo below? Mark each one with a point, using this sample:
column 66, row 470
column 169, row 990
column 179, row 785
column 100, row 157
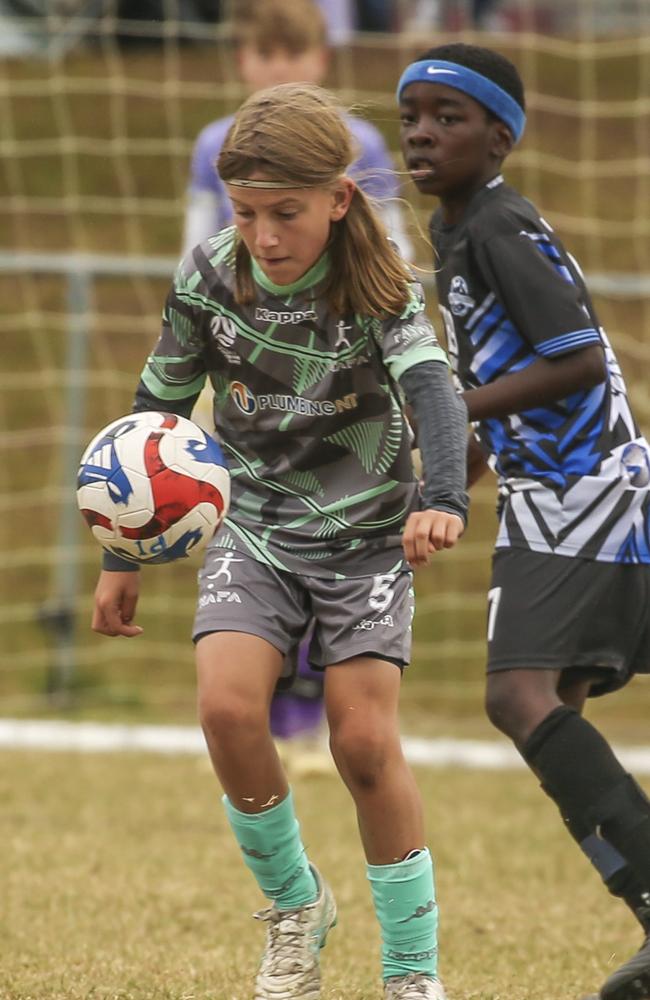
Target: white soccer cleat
column 414, row 986
column 290, row 968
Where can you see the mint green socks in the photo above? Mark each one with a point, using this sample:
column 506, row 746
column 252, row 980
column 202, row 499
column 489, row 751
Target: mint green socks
column 405, row 905
column 271, row 845
column 403, row 893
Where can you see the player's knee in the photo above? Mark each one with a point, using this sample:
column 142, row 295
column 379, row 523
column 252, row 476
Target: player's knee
column 360, row 751
column 516, row 701
column 503, row 709
column 226, row 717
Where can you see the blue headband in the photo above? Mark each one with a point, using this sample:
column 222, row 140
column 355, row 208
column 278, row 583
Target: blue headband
column 493, row 97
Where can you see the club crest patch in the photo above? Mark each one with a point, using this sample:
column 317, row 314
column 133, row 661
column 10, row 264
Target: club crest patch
column 460, row 301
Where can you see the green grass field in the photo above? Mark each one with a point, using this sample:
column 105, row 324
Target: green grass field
column 119, row 880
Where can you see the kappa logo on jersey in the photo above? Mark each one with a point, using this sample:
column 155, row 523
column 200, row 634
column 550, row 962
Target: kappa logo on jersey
column 248, row 403
column 225, row 333
column 460, row 301
column 341, row 335
column 634, row 463
column 271, row 316
column 344, row 361
column 243, row 398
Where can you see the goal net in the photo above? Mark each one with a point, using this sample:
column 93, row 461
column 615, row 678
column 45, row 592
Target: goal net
column 98, row 115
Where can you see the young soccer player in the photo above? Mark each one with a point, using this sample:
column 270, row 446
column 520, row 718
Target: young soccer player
column 568, row 606
column 310, row 328
column 285, row 41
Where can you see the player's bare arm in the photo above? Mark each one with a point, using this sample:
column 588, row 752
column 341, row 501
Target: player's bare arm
column 116, row 598
column 545, row 381
column 477, row 464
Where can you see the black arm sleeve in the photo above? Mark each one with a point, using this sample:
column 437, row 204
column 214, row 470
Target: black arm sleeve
column 441, row 417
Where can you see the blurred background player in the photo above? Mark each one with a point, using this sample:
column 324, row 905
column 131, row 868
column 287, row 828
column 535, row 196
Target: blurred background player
column 285, row 41
column 569, row 599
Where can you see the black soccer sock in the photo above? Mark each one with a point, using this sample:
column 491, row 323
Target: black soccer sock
column 604, row 809
column 614, row 870
column 627, row 887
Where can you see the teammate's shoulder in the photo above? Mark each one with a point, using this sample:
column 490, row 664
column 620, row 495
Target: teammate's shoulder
column 212, row 135
column 364, row 131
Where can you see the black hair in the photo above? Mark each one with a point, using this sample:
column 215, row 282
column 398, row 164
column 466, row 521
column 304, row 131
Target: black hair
column 487, row 62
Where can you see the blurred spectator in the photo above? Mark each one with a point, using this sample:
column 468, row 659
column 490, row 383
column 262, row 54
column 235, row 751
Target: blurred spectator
column 376, row 15
column 190, row 16
column 482, row 12
column 450, row 15
column 340, row 16
column 160, row 10
column 280, row 41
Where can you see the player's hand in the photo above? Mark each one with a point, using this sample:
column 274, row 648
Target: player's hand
column 116, row 597
column 428, row 531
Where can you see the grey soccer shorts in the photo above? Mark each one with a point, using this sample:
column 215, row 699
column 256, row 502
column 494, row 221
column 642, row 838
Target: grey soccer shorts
column 575, row 615
column 358, row 616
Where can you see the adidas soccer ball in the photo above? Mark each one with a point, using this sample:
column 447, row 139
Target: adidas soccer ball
column 153, row 487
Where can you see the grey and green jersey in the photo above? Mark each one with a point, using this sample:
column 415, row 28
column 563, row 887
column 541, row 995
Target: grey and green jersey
column 306, row 407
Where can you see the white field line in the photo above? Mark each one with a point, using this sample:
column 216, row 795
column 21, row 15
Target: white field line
column 96, row 737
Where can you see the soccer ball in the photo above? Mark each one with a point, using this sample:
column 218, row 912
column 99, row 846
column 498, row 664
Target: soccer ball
column 153, row 487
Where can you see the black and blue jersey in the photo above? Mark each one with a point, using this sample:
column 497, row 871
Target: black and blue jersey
column 574, row 476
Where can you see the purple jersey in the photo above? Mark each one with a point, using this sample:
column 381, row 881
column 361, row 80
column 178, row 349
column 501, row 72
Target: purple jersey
column 374, row 169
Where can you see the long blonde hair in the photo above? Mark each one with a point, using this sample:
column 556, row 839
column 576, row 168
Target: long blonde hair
column 297, row 133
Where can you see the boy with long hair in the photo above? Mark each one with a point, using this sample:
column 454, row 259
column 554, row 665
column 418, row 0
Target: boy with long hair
column 326, row 335
column 285, row 41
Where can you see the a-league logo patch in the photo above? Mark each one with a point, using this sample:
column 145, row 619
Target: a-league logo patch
column 460, row 301
column 635, row 465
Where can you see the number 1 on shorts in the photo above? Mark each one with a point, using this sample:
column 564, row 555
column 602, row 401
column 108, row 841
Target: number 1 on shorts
column 494, row 596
